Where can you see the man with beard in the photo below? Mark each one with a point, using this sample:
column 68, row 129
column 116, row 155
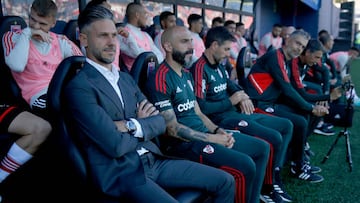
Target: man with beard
column 115, row 125
column 271, row 40
column 190, row 133
column 228, row 106
column 269, row 87
column 138, row 41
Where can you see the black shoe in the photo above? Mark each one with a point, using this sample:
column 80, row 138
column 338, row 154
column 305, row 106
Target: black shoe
column 278, row 188
column 324, row 131
column 328, row 125
column 272, row 197
column 308, row 167
column 303, row 173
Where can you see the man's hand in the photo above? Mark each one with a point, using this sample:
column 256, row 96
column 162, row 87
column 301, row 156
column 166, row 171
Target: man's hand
column 146, row 109
column 41, row 36
column 319, row 110
column 247, row 107
column 222, row 138
column 121, row 126
column 237, row 97
column 121, row 31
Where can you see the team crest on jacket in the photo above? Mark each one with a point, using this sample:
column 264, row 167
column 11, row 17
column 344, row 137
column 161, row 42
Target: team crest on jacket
column 208, row 149
column 243, row 123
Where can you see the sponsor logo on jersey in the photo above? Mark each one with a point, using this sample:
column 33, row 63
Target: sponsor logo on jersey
column 162, row 104
column 186, row 106
column 220, row 88
column 212, row 78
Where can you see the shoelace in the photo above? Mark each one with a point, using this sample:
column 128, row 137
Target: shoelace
column 268, row 199
column 278, row 189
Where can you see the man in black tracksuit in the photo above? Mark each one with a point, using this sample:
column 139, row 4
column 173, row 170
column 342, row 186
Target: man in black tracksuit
column 269, row 86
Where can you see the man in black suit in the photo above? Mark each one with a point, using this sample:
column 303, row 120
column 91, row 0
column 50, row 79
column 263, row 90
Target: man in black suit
column 115, row 123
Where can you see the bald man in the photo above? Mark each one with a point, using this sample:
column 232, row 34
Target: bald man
column 191, row 134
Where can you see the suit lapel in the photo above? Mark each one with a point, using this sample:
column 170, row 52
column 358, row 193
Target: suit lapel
column 100, row 82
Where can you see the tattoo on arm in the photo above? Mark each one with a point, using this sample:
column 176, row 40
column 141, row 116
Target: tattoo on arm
column 181, row 131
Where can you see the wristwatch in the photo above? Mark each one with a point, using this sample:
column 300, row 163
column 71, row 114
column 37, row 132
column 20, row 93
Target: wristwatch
column 131, row 127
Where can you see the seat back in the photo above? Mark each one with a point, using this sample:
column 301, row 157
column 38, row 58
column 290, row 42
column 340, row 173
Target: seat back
column 72, row 32
column 67, row 145
column 10, row 23
column 59, row 27
column 143, row 65
column 243, row 65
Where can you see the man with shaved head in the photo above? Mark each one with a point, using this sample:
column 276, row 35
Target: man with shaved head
column 190, row 133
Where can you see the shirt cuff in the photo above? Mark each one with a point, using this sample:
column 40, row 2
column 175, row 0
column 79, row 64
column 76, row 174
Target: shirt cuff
column 139, row 133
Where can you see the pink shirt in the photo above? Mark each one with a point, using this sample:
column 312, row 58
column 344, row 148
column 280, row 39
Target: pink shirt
column 267, row 41
column 199, row 46
column 33, row 63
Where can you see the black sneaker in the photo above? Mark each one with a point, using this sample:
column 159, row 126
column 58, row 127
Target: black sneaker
column 282, row 193
column 328, row 125
column 272, row 197
column 324, row 131
column 304, row 174
column 312, row 169
column 308, row 167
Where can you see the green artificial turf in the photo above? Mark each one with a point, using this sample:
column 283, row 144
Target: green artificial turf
column 339, row 185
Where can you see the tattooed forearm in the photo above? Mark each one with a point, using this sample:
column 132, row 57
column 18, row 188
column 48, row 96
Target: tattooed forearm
column 180, row 131
column 188, row 134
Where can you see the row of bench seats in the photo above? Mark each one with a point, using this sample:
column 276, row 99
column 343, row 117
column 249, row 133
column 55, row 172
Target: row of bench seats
column 59, row 162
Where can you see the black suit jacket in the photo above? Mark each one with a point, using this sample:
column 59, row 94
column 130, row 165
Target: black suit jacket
column 92, row 106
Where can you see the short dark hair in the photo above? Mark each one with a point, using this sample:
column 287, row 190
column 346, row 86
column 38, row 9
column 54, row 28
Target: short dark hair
column 229, row 22
column 314, row 45
column 164, row 15
column 45, row 8
column 219, row 34
column 277, row 25
column 131, row 9
column 92, row 14
column 217, row 20
column 322, row 32
column 192, row 18
column 95, row 3
column 355, row 49
column 239, row 24
column 324, row 38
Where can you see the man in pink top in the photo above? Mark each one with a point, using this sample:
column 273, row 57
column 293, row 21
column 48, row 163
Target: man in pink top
column 167, row 20
column 343, row 59
column 138, row 41
column 196, row 24
column 271, row 39
column 34, row 53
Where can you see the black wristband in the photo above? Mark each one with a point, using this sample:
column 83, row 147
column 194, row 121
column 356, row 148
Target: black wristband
column 216, row 129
